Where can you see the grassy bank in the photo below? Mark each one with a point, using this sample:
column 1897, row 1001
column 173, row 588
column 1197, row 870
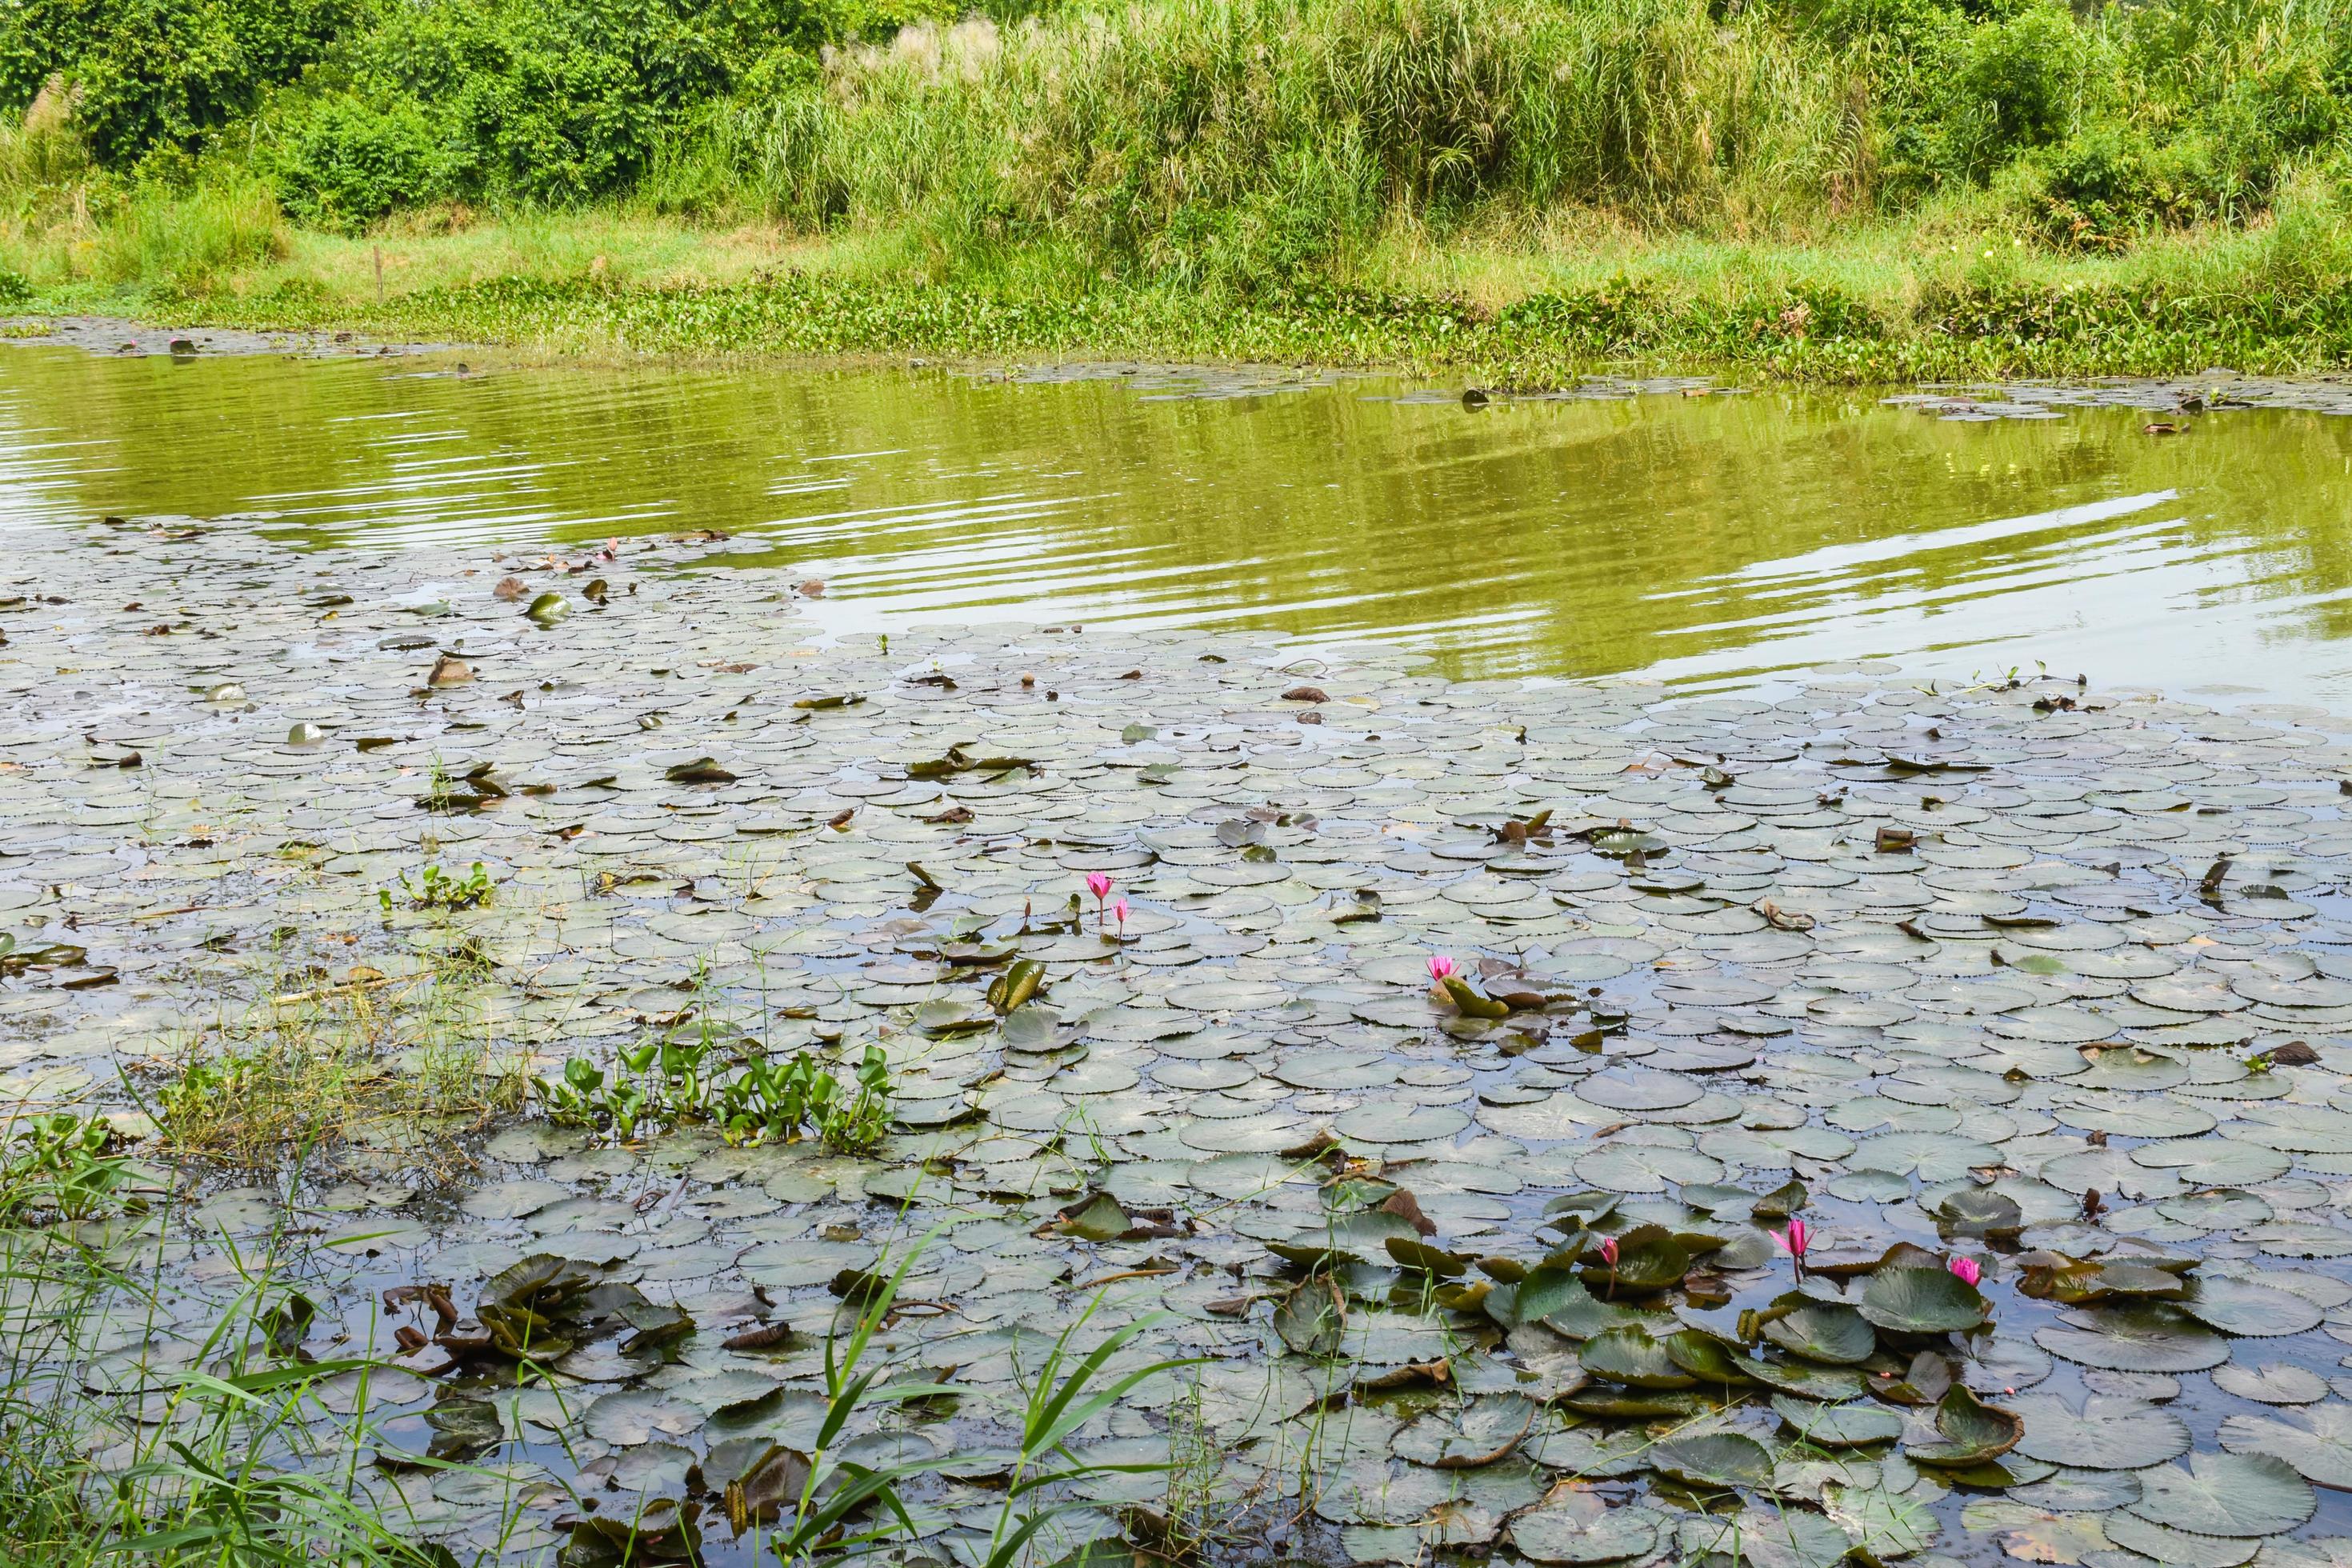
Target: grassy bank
column 1520, row 191
column 1896, row 303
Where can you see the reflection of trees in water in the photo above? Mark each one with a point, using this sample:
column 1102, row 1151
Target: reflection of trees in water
column 1568, row 536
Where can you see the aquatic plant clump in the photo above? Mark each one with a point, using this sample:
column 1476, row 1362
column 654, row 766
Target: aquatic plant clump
column 1035, row 1092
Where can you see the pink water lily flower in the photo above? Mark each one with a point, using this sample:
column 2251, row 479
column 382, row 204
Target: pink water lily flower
column 1967, row 1269
column 1609, row 1250
column 1440, row 966
column 1119, row 913
column 1794, row 1240
column 1099, row 884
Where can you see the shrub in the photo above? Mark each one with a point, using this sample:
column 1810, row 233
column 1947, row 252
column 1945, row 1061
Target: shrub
column 343, row 161
column 150, row 72
column 2017, row 85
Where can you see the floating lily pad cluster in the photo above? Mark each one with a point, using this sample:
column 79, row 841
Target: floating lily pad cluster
column 2041, row 978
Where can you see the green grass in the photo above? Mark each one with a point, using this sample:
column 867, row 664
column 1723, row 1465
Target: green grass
column 2275, row 299
column 230, row 1454
column 1946, row 292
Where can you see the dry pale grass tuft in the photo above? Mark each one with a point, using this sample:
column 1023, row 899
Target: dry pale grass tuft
column 359, row 1067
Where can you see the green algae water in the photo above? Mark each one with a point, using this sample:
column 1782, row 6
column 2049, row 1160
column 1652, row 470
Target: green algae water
column 1705, row 540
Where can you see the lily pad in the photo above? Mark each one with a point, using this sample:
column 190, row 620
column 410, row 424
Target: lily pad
column 1921, row 1301
column 1839, row 1425
column 1581, row 1526
column 2135, row 1339
column 2241, row 1306
column 2225, row 1494
column 1824, row 1331
column 1631, row 1355
column 1713, row 1460
column 2108, row 1433
column 1972, row 1432
column 2316, row 1442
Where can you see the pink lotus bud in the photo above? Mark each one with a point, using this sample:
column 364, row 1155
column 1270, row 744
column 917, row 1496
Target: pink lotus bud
column 1440, row 966
column 1609, row 1250
column 1793, row 1240
column 1118, row 912
column 1099, row 884
column 1967, row 1269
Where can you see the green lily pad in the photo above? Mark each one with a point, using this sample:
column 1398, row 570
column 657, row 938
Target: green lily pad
column 1313, row 1318
column 2109, row 1432
column 1389, row 1121
column 2242, row 1306
column 1979, row 1212
column 1645, row 1168
column 1973, row 1432
column 1483, row 1433
column 1764, row 1538
column 1650, row 1258
column 1099, row 1218
column 2317, row 1441
column 1839, row 1425
column 1809, row 1381
column 2151, row 1542
column 1887, row 1520
column 1824, row 1331
column 1705, row 1357
column 1581, row 1526
column 1632, row 1356
column 2226, row 1494
column 1915, row 1301
column 2149, row 1338
column 1715, row 1460
column 1577, row 1312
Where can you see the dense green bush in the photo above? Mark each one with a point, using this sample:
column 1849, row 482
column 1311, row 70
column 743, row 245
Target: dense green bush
column 339, row 161
column 379, row 103
column 1245, row 140
column 160, row 73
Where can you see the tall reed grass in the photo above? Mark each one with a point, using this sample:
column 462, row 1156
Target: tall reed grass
column 1220, row 140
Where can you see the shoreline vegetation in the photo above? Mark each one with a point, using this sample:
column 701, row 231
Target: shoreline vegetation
column 1518, row 194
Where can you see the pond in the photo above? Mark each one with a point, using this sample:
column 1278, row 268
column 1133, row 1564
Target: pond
column 1091, row 884
column 1707, row 541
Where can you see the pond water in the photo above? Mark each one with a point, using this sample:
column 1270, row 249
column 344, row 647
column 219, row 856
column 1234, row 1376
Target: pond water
column 352, row 801
column 1702, row 539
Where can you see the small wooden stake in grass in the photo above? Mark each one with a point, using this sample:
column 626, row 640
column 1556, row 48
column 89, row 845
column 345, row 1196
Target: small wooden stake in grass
column 379, row 272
